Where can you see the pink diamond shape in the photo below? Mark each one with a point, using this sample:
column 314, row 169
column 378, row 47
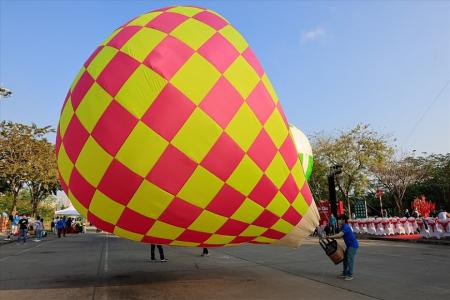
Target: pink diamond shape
column 119, row 183
column 264, row 191
column 168, row 57
column 232, row 227
column 290, row 189
column 180, row 213
column 292, row 216
column 222, row 102
column 262, row 150
column 273, row 234
column 193, row 236
column 99, row 223
column 223, row 157
column 162, row 116
column 118, row 70
column 253, row 61
column 289, row 152
column 80, row 188
column 226, row 202
column 74, row 138
column 123, row 36
column 306, row 193
column 218, row 51
column 172, row 170
column 211, row 19
column 114, row 127
column 134, row 222
column 266, row 219
column 81, row 88
column 261, row 103
column 167, row 21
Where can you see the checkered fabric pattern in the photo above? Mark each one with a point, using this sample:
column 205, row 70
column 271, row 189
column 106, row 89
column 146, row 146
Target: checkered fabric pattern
column 172, row 134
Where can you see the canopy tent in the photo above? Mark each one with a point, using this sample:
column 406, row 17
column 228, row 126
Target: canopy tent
column 70, row 211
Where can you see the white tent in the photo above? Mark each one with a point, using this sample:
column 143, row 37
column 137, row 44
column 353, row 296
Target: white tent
column 70, row 211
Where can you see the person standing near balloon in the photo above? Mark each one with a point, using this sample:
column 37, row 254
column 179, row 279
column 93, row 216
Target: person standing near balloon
column 352, row 246
column 161, row 253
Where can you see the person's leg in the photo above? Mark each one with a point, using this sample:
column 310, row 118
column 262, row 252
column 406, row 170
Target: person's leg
column 25, row 235
column 152, row 251
column 345, row 263
column 350, row 261
column 205, row 252
column 59, row 232
column 161, row 252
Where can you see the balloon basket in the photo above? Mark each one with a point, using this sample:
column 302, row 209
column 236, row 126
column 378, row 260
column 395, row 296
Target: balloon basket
column 334, row 251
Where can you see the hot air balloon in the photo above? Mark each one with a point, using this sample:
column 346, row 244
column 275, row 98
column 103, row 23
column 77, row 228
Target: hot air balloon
column 173, row 134
column 304, row 150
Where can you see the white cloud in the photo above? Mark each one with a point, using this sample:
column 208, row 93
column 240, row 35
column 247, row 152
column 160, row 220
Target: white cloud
column 313, row 34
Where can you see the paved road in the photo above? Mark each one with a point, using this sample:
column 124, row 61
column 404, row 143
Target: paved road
column 101, row 266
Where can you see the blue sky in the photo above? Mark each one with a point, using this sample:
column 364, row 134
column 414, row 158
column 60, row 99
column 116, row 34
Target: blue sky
column 333, row 64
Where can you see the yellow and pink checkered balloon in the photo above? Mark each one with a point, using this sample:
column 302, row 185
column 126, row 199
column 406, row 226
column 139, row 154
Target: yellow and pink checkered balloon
column 172, row 134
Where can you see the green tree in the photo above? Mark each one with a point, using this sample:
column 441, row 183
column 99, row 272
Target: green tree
column 16, row 155
column 356, row 150
column 42, row 181
column 395, row 175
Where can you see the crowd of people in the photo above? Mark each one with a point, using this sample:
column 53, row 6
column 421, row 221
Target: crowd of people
column 24, row 227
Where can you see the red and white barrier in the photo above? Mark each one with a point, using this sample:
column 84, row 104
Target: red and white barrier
column 428, row 228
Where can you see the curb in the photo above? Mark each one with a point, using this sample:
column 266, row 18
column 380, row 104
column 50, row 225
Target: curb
column 444, row 242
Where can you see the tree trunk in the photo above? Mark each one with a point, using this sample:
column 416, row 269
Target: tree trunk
column 34, row 208
column 398, row 202
column 14, row 203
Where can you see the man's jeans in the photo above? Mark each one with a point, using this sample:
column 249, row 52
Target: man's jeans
column 349, row 259
column 22, row 234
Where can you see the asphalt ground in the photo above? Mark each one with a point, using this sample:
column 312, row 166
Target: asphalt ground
column 102, row 266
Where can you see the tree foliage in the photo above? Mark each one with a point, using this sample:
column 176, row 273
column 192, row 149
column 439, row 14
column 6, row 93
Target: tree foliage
column 26, row 160
column 356, row 150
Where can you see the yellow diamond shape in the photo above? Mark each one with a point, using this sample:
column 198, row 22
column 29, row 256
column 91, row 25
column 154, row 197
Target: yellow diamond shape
column 253, row 230
column 279, row 205
column 300, row 204
column 104, row 208
column 234, row 37
column 208, row 222
column 66, row 116
column 100, row 61
column 269, row 88
column 245, row 176
column 140, row 90
column 144, row 19
column 149, row 200
column 244, row 127
column 93, row 106
column 277, row 170
column 276, row 128
column 142, row 43
column 93, row 162
column 128, row 234
column 297, row 173
column 282, row 226
column 166, row 231
column 193, row 33
column 247, row 212
column 242, row 76
column 263, row 239
column 197, row 136
column 184, row 244
column 142, row 149
column 218, row 239
column 196, row 78
column 65, row 165
column 188, row 11
column 201, row 187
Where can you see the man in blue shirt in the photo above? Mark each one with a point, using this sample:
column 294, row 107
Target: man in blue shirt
column 352, row 245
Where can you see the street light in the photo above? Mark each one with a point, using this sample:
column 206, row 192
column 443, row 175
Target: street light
column 4, row 93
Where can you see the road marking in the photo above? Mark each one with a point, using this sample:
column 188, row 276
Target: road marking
column 105, row 267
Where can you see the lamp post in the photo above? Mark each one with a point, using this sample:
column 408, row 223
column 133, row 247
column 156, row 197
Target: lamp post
column 4, row 93
column 334, row 170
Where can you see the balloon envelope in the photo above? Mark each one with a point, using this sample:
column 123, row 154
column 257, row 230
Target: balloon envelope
column 172, row 134
column 304, row 150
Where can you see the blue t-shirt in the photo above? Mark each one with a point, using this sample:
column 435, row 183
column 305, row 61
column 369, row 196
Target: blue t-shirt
column 60, row 224
column 349, row 237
